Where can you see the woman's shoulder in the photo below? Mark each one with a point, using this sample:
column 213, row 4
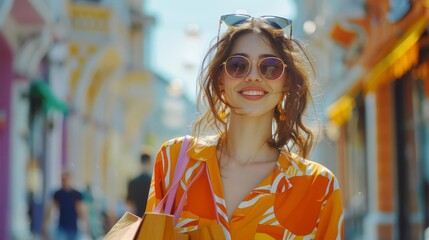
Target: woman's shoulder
column 205, row 141
column 318, row 169
column 201, row 148
column 176, row 141
column 172, row 147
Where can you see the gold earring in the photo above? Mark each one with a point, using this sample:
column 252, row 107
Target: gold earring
column 223, row 115
column 282, row 115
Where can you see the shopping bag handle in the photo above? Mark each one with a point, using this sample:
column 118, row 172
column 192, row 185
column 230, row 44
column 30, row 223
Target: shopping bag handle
column 182, row 162
column 169, row 197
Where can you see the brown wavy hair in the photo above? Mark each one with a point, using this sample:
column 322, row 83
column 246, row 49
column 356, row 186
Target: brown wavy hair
column 291, row 132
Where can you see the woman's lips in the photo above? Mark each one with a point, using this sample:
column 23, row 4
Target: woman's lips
column 253, row 93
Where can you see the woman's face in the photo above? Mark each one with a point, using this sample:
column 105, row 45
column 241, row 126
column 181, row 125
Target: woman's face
column 252, row 95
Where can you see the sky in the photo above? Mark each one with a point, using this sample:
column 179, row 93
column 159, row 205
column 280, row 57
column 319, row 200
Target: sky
column 184, row 29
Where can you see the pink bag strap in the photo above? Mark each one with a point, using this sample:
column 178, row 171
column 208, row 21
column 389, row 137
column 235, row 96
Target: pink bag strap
column 169, row 197
column 182, row 162
column 185, row 194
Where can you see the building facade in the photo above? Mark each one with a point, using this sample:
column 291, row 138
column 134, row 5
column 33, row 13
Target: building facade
column 372, row 57
column 77, row 95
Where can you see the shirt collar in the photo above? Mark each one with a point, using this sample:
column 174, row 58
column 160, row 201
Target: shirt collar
column 281, row 183
column 288, row 165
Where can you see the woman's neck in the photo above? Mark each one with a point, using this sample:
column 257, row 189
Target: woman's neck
column 246, row 140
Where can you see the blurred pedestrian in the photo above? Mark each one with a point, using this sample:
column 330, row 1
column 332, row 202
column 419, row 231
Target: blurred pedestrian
column 248, row 154
column 138, row 188
column 69, row 204
column 35, row 196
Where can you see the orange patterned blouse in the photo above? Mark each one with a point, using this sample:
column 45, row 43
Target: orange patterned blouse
column 300, row 199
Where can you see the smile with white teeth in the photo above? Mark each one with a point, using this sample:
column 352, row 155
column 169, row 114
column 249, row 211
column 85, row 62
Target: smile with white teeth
column 253, row 93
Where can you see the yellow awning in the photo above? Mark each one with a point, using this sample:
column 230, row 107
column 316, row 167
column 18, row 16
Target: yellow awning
column 341, row 111
column 399, row 60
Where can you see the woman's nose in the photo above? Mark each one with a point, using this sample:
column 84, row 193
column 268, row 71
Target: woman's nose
column 253, row 74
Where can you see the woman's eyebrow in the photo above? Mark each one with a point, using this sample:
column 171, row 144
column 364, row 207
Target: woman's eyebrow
column 240, row 54
column 259, row 57
column 267, row 55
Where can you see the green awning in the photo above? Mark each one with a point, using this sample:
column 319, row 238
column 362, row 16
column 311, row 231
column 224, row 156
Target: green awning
column 49, row 100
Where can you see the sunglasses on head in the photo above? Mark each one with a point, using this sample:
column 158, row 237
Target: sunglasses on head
column 277, row 23
column 270, row 68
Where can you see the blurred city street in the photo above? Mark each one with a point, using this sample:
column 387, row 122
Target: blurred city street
column 80, row 94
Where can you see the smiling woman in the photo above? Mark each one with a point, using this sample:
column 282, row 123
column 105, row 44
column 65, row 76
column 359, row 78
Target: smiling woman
column 182, row 62
column 248, row 173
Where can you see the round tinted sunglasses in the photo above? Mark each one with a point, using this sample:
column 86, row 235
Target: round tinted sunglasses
column 277, row 23
column 270, row 68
